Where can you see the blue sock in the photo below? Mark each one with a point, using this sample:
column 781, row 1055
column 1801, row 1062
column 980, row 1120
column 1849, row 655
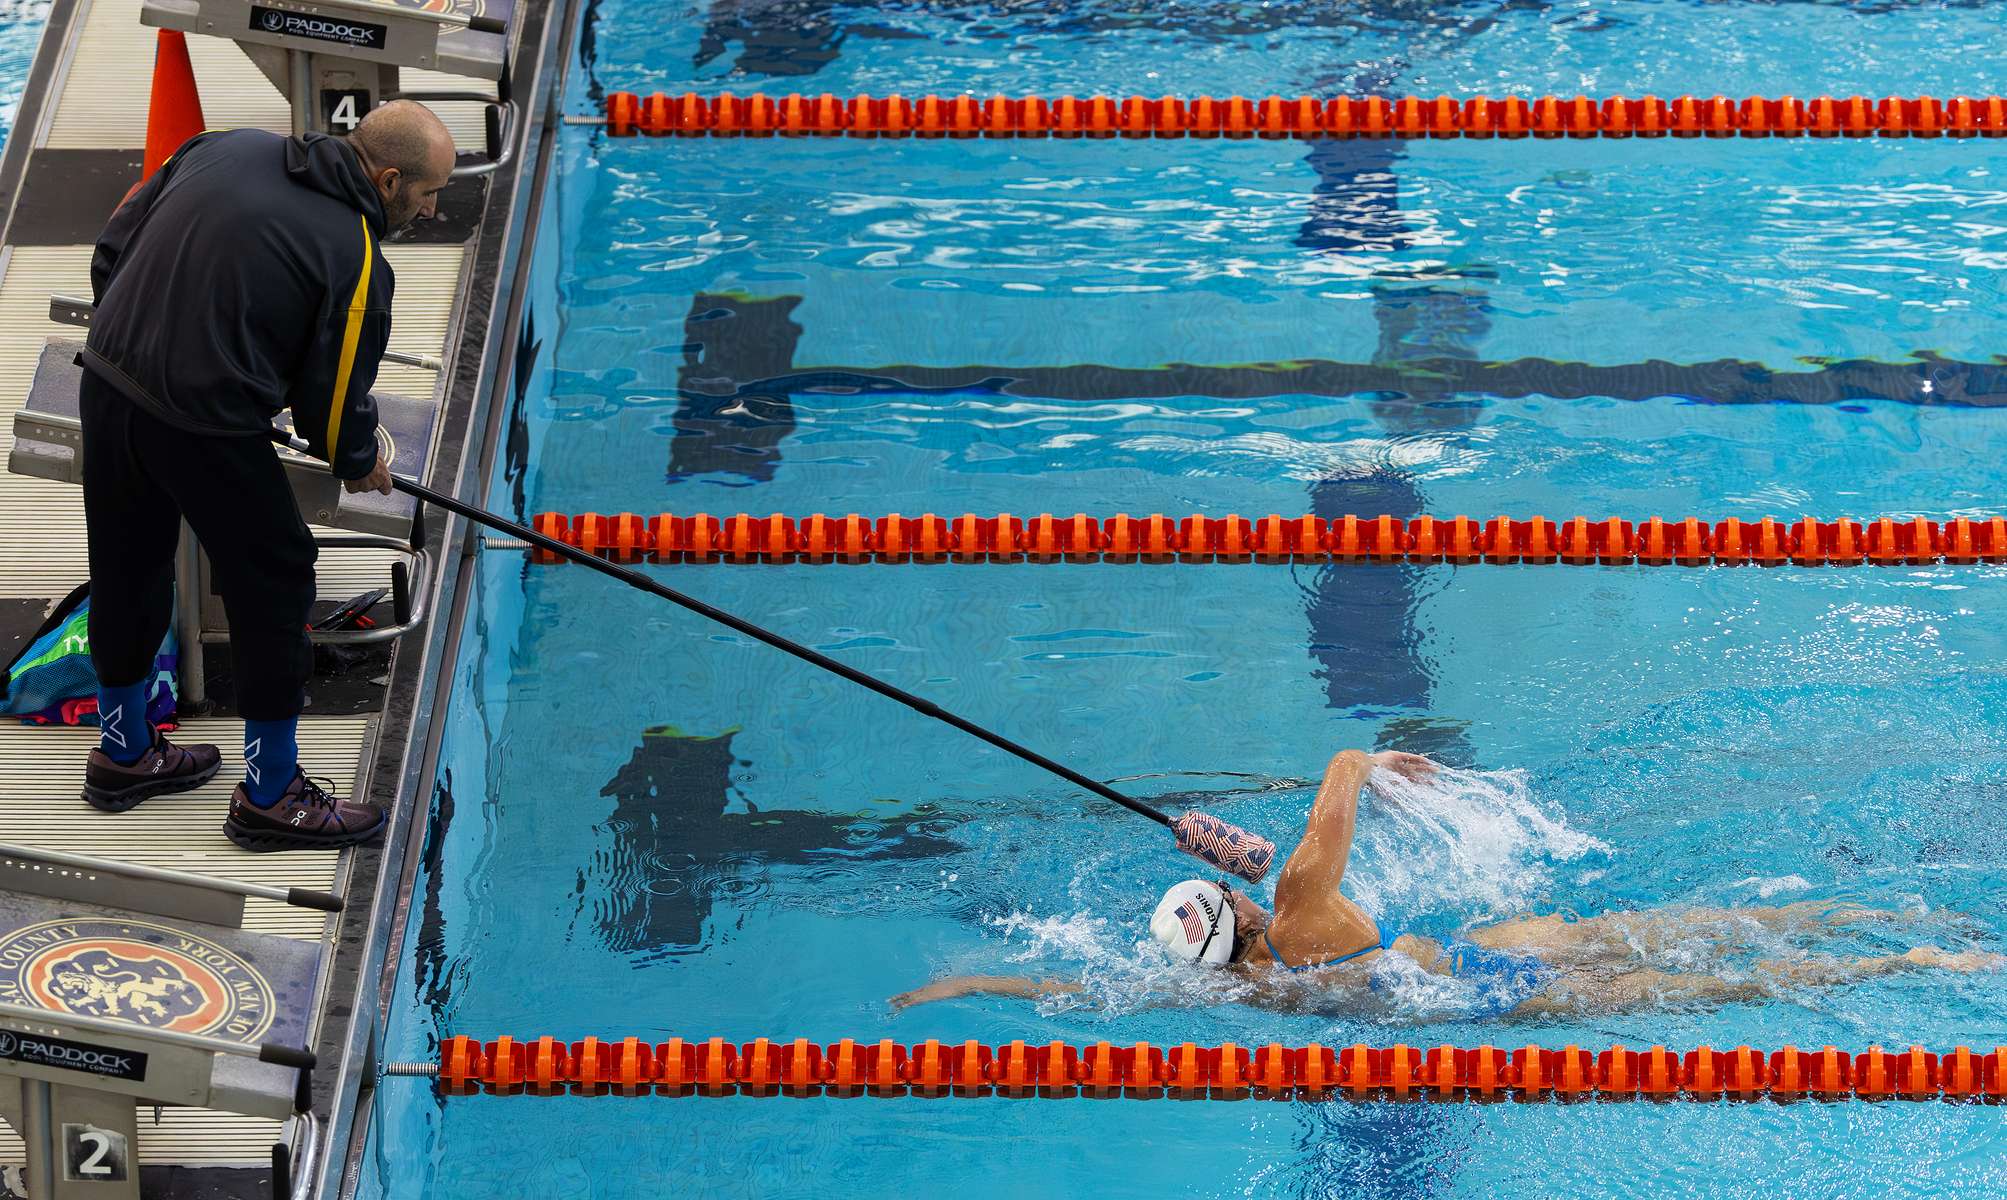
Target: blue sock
column 123, row 733
column 271, row 759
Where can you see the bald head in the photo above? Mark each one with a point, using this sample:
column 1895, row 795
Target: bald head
column 408, row 154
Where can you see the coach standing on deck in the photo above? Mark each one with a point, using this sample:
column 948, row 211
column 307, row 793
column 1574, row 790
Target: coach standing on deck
column 244, row 278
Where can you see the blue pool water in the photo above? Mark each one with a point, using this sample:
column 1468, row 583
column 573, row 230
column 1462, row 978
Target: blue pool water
column 20, row 29
column 647, row 825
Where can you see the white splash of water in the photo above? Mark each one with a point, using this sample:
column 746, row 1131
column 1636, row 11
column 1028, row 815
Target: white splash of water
column 1416, row 994
column 1468, row 845
column 1034, row 938
column 1475, row 844
column 1768, row 886
column 1121, row 973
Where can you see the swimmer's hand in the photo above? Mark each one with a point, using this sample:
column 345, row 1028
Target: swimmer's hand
column 1412, row 767
column 940, row 989
column 983, row 985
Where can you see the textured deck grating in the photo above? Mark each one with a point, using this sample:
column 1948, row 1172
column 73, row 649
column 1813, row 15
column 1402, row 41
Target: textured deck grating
column 41, row 772
column 41, row 778
column 185, row 1137
column 102, row 105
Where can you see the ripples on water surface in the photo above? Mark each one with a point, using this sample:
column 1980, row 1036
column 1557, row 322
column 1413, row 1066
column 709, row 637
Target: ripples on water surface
column 660, row 828
column 20, row 29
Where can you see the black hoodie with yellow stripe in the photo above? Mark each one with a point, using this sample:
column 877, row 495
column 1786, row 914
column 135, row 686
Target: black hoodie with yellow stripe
column 245, row 278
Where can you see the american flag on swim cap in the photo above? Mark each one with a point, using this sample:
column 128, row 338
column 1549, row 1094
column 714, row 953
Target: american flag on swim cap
column 1188, row 915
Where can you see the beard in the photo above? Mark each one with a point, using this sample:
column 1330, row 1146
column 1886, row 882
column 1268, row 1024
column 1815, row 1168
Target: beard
column 400, row 210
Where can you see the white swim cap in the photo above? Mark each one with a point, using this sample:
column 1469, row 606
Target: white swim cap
column 1196, row 921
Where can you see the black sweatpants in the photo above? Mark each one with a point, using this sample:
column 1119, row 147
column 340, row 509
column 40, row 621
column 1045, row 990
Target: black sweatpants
column 142, row 477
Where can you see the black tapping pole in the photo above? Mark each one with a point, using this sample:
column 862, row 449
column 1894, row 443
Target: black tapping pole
column 1215, row 841
column 636, row 579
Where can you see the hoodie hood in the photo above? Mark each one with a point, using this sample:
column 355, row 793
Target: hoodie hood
column 329, row 165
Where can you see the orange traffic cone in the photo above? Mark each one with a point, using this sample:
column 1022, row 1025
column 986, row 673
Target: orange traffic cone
column 174, row 114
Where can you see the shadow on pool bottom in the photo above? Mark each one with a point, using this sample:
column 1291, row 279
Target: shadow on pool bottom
column 670, row 848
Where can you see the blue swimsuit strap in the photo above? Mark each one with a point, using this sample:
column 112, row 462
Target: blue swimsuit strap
column 1386, row 942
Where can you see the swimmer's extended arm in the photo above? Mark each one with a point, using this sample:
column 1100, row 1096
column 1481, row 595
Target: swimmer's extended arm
column 985, row 985
column 1317, row 865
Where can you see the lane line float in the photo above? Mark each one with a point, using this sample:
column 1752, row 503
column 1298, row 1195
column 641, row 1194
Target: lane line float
column 693, row 114
column 1081, row 538
column 933, row 1069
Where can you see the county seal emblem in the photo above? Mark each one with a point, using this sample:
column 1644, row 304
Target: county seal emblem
column 136, row 971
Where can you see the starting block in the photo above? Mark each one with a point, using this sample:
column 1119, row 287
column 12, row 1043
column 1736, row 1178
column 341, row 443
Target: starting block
column 123, row 985
column 48, row 444
column 335, row 60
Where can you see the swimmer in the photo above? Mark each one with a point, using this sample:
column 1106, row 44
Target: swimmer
column 1522, row 966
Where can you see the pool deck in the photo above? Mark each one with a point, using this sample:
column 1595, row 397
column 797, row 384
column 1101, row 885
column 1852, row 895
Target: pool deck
column 76, row 147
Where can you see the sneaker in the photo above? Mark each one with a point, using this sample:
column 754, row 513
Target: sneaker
column 165, row 768
column 307, row 817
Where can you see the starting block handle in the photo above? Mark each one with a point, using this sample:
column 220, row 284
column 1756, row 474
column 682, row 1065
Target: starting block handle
column 286, row 1056
column 297, row 897
column 75, row 310
column 308, row 898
